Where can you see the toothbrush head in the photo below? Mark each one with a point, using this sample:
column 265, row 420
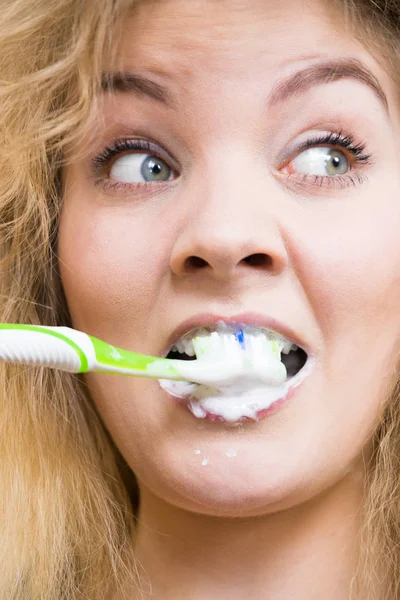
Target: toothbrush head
column 230, row 359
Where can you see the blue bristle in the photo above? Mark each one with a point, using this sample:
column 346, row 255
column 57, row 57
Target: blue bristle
column 239, row 335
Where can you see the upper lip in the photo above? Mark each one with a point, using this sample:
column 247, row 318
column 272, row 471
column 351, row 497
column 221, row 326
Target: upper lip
column 250, row 319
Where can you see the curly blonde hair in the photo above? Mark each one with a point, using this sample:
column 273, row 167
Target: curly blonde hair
column 68, row 500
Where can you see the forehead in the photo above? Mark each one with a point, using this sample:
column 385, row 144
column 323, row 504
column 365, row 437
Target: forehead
column 234, row 48
column 171, row 36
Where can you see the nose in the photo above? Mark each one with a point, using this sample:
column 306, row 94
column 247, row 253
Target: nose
column 229, row 229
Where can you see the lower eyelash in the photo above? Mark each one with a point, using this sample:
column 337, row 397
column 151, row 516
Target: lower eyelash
column 121, row 186
column 333, row 181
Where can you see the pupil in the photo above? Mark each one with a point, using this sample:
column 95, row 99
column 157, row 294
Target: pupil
column 336, row 161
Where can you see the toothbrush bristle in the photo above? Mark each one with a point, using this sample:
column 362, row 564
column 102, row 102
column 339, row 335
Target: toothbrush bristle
column 239, row 335
column 221, row 346
column 202, row 346
column 225, row 357
column 275, row 347
column 218, row 346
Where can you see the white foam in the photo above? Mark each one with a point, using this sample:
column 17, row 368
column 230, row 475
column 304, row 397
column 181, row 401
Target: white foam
column 231, row 453
column 233, row 405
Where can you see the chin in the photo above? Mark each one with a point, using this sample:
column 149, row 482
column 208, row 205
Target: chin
column 236, row 491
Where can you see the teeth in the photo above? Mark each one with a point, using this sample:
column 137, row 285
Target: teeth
column 188, row 346
column 254, row 339
column 184, row 346
column 288, row 346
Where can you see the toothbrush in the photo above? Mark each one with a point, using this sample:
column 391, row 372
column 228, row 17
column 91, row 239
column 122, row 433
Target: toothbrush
column 220, row 360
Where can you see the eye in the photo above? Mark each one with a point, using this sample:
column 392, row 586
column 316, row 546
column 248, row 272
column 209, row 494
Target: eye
column 320, row 160
column 139, row 167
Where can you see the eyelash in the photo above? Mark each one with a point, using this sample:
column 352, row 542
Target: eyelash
column 101, row 162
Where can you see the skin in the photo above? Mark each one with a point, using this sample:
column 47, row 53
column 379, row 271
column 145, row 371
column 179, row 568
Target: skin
column 331, row 273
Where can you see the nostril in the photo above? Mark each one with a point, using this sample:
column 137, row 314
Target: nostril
column 195, row 262
column 258, row 260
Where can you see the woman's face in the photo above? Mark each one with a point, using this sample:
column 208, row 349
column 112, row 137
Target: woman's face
column 246, row 170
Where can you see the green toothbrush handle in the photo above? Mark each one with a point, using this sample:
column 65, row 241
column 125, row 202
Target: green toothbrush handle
column 76, row 352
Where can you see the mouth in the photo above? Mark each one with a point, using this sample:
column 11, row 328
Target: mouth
column 253, row 403
column 293, row 356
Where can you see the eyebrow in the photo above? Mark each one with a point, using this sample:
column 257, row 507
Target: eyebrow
column 326, row 72
column 294, row 85
column 135, row 84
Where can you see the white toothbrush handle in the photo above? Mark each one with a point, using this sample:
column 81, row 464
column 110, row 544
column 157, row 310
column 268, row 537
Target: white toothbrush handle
column 37, row 347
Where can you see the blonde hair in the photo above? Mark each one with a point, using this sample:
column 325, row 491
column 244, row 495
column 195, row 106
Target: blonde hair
column 68, row 500
column 65, row 511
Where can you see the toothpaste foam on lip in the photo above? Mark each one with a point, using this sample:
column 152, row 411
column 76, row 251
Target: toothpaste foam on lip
column 233, row 407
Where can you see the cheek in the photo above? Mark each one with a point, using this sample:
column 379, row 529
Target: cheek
column 349, row 267
column 350, row 271
column 110, row 268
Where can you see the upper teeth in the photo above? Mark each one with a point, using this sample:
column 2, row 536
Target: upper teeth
column 185, row 344
column 288, row 346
